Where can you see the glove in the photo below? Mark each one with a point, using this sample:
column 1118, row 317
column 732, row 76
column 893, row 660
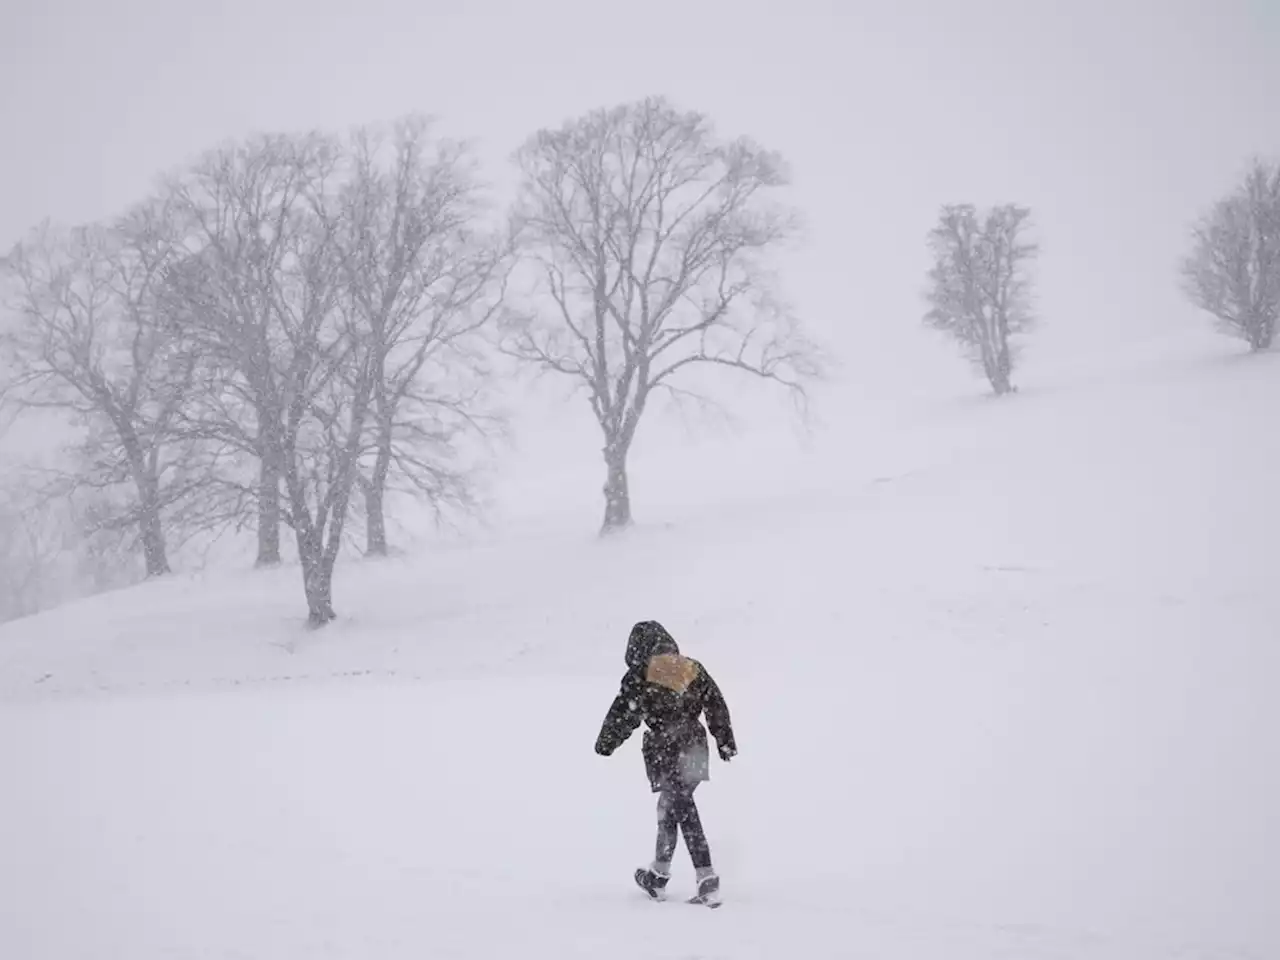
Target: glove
column 602, row 749
column 727, row 752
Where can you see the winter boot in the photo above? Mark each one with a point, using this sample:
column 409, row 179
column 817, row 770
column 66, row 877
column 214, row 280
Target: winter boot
column 652, row 882
column 708, row 889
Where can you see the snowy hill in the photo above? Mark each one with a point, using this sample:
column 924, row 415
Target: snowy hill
column 1005, row 689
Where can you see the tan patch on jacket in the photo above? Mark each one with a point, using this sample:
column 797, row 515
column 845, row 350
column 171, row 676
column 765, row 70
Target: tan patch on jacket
column 672, row 671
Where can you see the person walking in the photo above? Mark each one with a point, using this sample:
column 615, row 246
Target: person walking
column 670, row 693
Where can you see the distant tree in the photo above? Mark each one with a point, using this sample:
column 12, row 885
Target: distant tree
column 424, row 283
column 89, row 340
column 1233, row 270
column 648, row 237
column 54, row 548
column 979, row 287
column 28, row 555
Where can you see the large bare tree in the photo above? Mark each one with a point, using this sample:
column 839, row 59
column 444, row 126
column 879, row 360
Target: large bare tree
column 246, row 207
column 323, row 435
column 264, row 292
column 979, row 286
column 321, row 279
column 648, row 237
column 1233, row 270
column 92, row 341
column 424, row 282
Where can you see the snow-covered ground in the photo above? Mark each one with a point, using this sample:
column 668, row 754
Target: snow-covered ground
column 1004, row 679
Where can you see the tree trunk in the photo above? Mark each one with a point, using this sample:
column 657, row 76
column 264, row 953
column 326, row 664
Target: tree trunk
column 317, row 579
column 317, row 566
column 320, row 537
column 376, row 533
column 320, row 557
column 617, row 493
column 996, row 365
column 268, row 512
column 1261, row 334
column 1000, row 382
column 320, row 595
column 375, row 493
column 153, row 545
column 150, row 527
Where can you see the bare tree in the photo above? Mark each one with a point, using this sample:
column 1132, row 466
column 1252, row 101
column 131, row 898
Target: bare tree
column 91, row 342
column 28, row 558
column 647, row 235
column 54, row 548
column 979, row 286
column 245, row 206
column 264, row 291
column 324, row 430
column 421, row 279
column 1233, row 271
column 326, row 417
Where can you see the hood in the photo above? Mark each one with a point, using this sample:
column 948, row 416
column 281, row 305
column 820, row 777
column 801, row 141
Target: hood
column 648, row 638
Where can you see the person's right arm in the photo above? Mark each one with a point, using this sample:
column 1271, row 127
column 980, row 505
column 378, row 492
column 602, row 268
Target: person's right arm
column 621, row 720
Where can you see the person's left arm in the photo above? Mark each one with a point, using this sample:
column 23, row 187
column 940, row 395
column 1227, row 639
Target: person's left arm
column 718, row 721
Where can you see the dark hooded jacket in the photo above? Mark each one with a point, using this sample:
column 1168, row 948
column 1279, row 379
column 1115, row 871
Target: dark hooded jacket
column 669, row 693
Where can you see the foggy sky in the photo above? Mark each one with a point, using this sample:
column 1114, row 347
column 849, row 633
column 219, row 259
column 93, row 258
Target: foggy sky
column 1117, row 122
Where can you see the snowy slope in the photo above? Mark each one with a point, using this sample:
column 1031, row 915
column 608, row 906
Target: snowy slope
column 1004, row 684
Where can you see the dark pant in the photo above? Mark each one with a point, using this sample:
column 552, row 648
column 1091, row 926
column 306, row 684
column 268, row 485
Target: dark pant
column 676, row 812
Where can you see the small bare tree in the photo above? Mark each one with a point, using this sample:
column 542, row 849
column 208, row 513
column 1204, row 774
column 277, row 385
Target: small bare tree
column 979, row 286
column 29, row 553
column 1233, row 271
column 423, row 282
column 648, row 236
column 91, row 341
column 52, row 549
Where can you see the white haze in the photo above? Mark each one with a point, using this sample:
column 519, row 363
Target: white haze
column 1115, row 122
